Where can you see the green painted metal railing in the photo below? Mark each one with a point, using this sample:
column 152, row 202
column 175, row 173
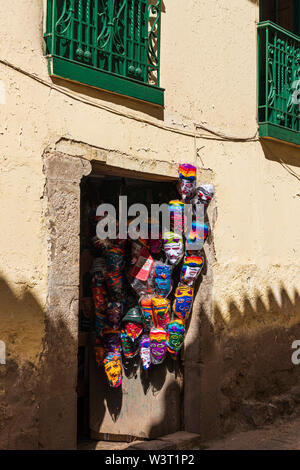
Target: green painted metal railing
column 117, row 36
column 279, row 82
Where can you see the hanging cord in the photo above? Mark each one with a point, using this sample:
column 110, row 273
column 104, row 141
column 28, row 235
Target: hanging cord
column 218, row 135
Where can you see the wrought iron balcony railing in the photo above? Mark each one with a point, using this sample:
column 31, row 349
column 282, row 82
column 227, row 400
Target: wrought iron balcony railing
column 279, row 83
column 110, row 44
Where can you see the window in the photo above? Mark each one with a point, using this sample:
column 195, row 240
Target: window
column 279, row 70
column 109, row 44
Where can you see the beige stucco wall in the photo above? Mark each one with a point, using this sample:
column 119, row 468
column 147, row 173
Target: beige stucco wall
column 208, row 68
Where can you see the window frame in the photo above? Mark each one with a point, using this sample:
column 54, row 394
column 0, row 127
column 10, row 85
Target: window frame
column 87, row 74
column 268, row 127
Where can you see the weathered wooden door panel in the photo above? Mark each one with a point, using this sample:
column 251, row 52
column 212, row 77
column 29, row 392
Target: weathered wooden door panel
column 147, row 405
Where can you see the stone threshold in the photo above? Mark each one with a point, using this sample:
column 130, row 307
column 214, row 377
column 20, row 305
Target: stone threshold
column 180, row 440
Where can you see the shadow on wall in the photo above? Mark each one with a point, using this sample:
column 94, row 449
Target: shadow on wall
column 281, row 152
column 238, row 366
column 20, row 326
column 27, row 389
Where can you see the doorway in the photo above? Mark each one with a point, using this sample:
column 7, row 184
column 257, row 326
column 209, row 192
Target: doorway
column 148, row 405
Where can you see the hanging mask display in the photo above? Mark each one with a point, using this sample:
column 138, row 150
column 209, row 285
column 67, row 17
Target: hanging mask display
column 196, row 238
column 113, row 369
column 130, row 348
column 191, row 269
column 147, row 312
column 176, row 209
column 133, row 323
column 145, row 351
column 140, row 278
column 183, row 302
column 162, row 279
column 176, row 333
column 187, row 179
column 114, row 315
column 173, row 247
column 161, row 312
column 158, row 345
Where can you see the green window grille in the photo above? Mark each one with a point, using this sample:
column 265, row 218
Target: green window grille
column 109, row 44
column 279, row 79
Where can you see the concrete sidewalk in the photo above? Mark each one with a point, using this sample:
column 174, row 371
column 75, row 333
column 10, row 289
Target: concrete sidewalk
column 278, row 436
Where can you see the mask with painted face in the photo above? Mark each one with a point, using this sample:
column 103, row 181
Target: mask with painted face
column 158, row 345
column 113, row 369
column 147, row 312
column 183, row 302
column 191, row 269
column 205, row 194
column 130, row 348
column 187, row 179
column 175, row 340
column 162, row 279
column 173, row 247
column 133, row 323
column 145, row 351
column 161, row 312
column 114, row 315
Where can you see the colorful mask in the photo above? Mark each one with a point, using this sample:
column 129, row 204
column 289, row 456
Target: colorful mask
column 191, row 269
column 99, row 352
column 133, row 330
column 161, row 312
column 158, row 345
column 176, row 209
column 130, row 348
column 162, row 279
column 205, row 194
column 115, row 259
column 145, row 351
column 196, row 237
column 176, row 333
column 113, row 369
column 133, row 323
column 187, row 178
column 147, row 313
column 111, row 341
column 173, row 247
column 183, row 302
column 114, row 315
